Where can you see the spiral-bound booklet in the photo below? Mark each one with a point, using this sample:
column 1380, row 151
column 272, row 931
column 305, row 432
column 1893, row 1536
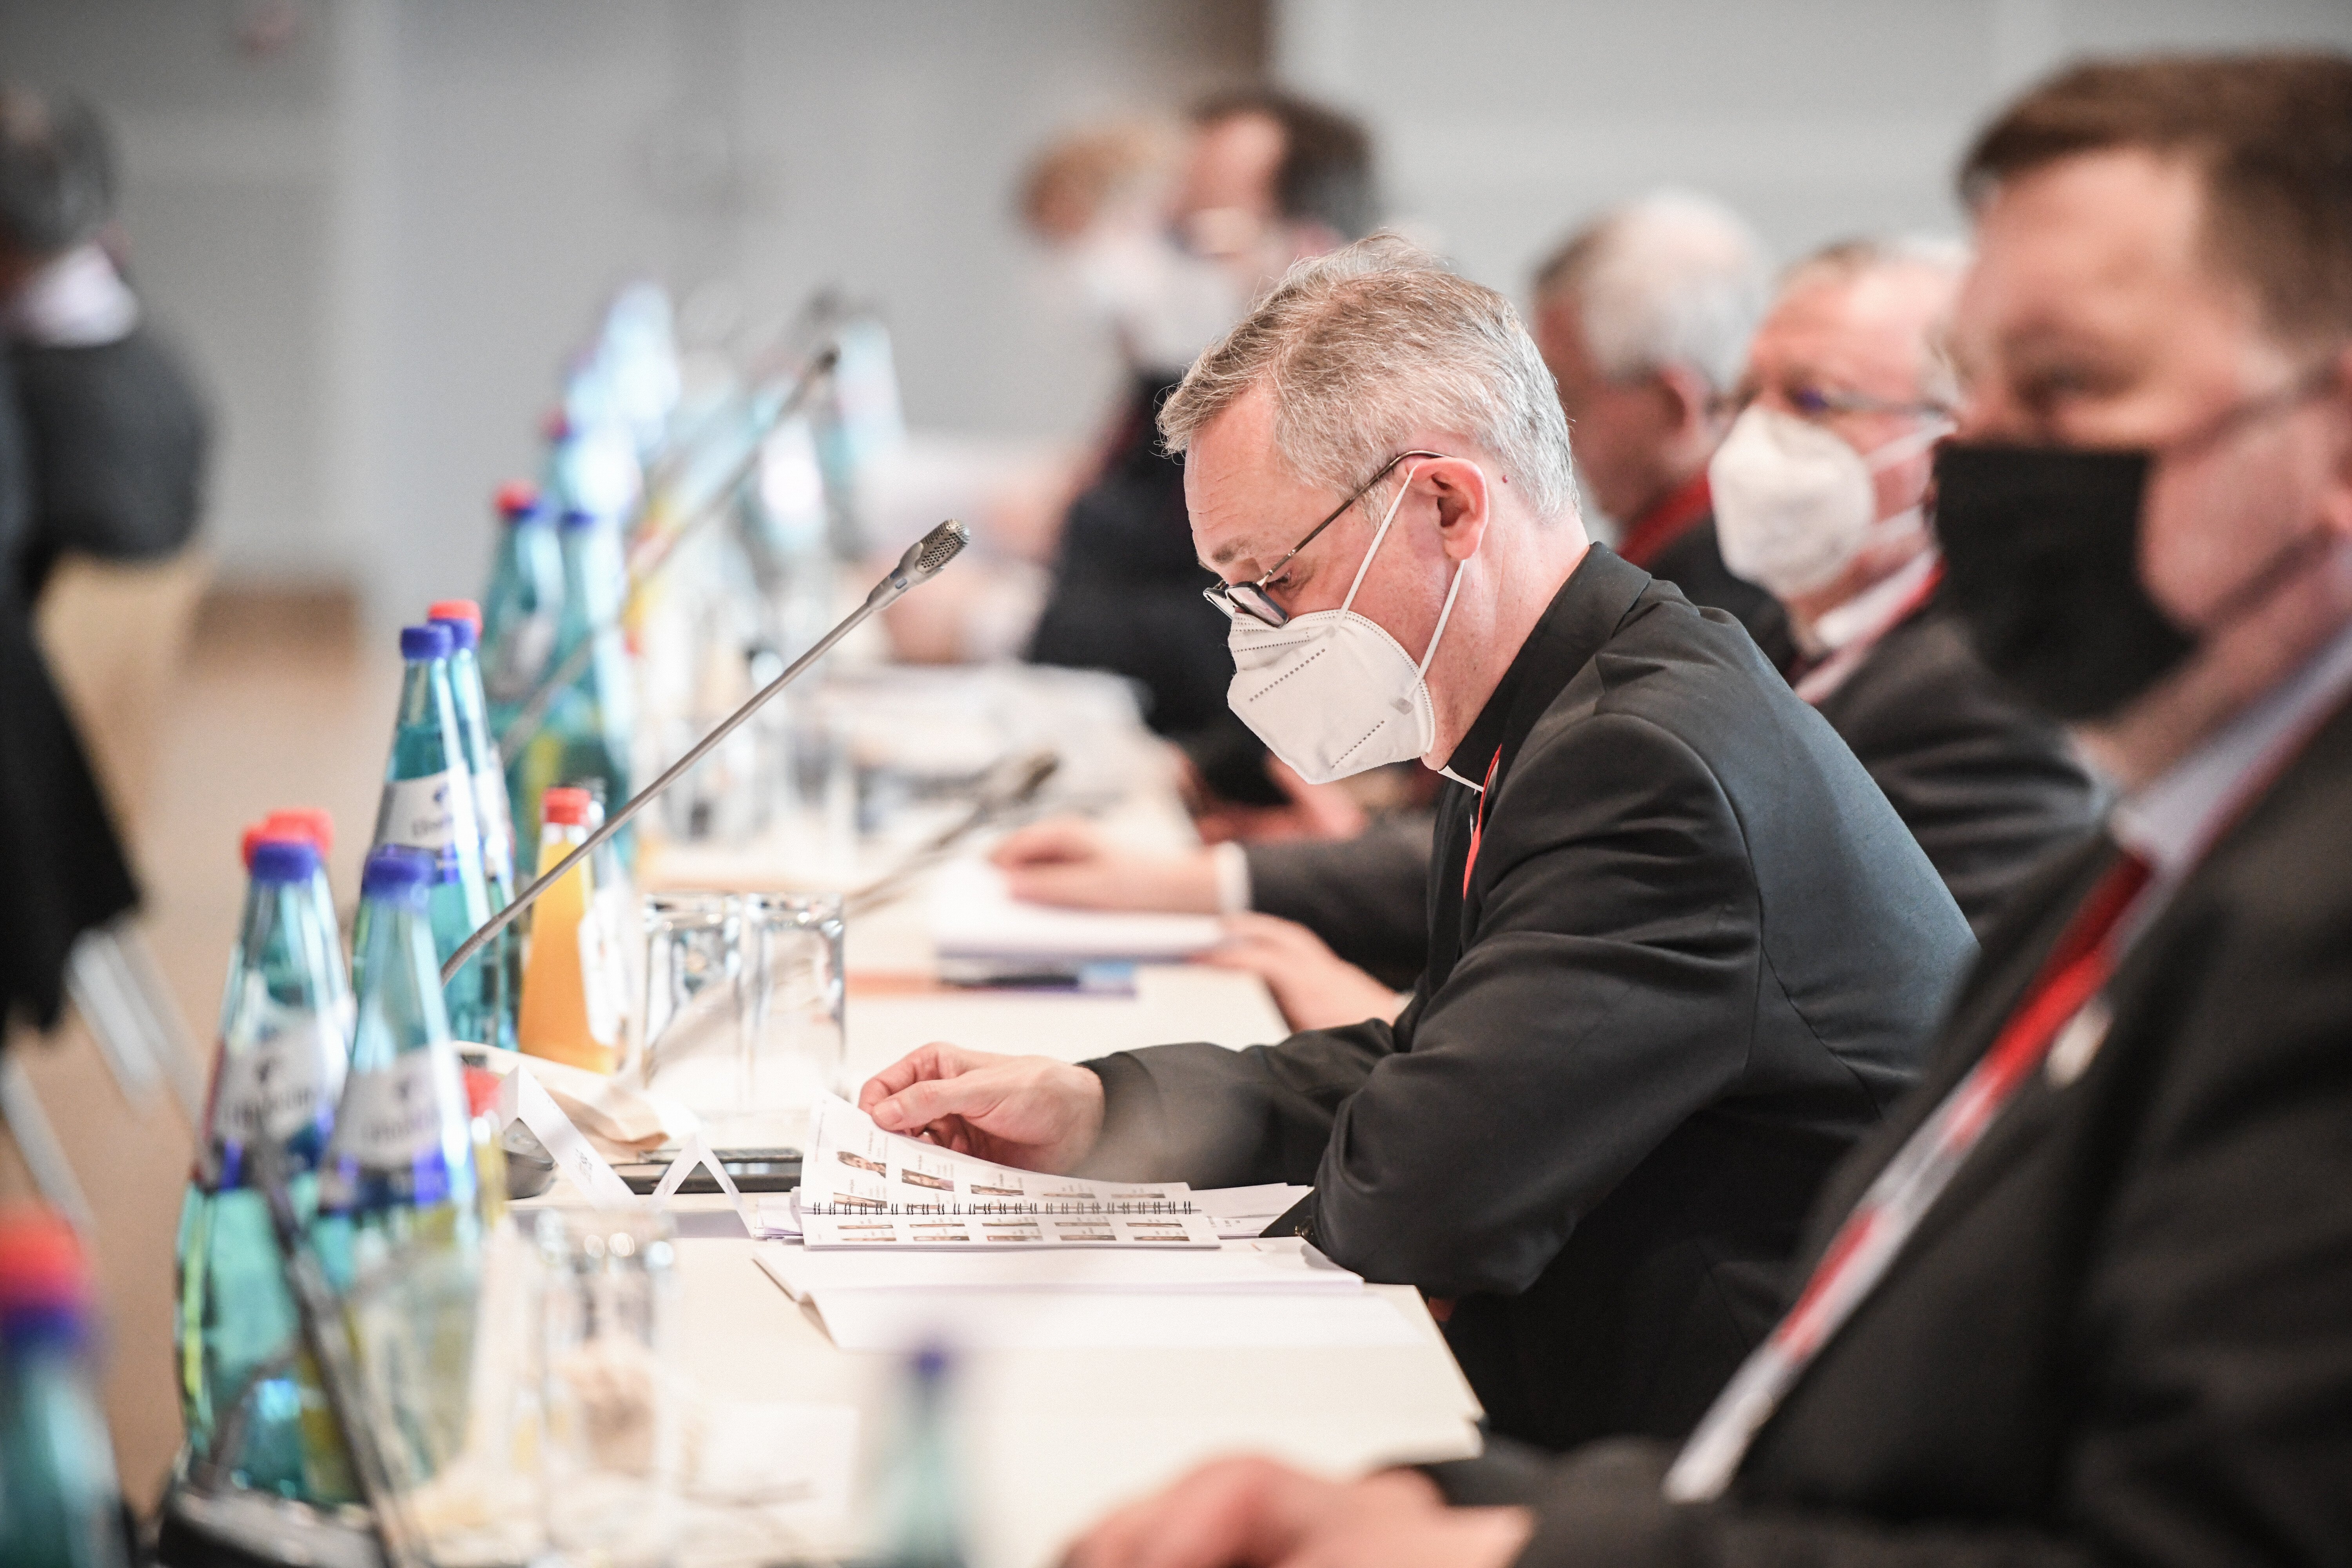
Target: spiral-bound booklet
column 861, row 1186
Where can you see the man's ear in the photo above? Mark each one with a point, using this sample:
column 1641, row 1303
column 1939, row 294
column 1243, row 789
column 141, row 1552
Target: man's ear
column 1465, row 503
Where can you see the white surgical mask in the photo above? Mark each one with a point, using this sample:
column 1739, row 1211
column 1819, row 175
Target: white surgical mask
column 1794, row 504
column 1165, row 303
column 1331, row 693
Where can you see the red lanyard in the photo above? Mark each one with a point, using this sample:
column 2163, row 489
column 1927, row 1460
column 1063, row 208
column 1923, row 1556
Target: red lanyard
column 1888, row 1213
column 1478, row 823
column 2062, row 1000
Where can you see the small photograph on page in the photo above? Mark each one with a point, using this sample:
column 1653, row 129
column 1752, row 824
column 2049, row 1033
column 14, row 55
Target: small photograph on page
column 995, row 1188
column 925, row 1179
column 1012, row 1231
column 1155, row 1230
column 855, row 1230
column 1083, row 1233
column 1136, row 1197
column 855, row 1201
column 863, row 1163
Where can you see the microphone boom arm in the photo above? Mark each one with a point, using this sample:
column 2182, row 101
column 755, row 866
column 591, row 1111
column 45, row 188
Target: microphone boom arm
column 919, row 564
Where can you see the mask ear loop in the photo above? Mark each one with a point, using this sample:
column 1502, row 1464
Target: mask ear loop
column 1886, row 453
column 1378, row 534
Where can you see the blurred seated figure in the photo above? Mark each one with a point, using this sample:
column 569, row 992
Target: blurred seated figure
column 1818, row 496
column 115, row 442
column 1336, row 927
column 1644, row 316
column 1266, row 179
column 116, row 435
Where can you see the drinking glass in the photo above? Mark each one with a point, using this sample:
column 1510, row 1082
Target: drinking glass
column 791, row 1017
column 689, row 1038
column 609, row 1388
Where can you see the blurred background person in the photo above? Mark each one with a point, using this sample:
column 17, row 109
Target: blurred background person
column 116, row 438
column 1267, row 179
column 1644, row 316
column 1818, row 495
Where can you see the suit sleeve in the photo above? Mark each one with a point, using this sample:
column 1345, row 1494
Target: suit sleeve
column 1594, row 1009
column 1368, row 896
column 1218, row 1118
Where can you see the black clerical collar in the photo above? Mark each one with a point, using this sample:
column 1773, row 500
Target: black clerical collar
column 1580, row 617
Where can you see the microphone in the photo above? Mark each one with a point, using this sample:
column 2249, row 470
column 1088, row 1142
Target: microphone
column 526, row 723
column 920, row 563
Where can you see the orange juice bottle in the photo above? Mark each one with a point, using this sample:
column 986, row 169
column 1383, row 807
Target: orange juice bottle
column 571, row 1009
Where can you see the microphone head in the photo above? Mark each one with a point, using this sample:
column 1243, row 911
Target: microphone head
column 934, row 549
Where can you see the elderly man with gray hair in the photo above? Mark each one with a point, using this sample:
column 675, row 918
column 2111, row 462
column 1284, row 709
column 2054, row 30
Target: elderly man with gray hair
column 1820, row 491
column 1644, row 316
column 1682, row 952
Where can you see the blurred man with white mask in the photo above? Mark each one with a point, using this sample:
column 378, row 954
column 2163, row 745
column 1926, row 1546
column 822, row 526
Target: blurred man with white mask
column 1681, row 951
column 1644, row 316
column 1818, row 493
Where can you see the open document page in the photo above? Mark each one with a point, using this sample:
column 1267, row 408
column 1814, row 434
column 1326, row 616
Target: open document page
column 861, row 1186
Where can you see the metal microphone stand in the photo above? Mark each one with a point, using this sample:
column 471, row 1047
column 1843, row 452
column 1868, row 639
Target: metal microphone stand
column 920, row 563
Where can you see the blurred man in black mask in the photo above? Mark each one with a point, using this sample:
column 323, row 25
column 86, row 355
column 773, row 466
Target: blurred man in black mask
column 1268, row 180
column 2087, row 1297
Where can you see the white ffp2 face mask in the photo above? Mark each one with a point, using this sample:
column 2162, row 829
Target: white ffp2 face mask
column 1793, row 503
column 1331, row 693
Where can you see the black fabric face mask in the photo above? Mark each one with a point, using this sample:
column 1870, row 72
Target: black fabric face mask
column 2042, row 564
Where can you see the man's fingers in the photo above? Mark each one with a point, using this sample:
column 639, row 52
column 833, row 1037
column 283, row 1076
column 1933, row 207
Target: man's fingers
column 931, row 1100
column 937, row 1060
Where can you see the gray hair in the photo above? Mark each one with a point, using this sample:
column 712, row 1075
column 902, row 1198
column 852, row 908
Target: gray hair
column 57, row 171
column 1361, row 347
column 1669, row 279
column 1847, row 260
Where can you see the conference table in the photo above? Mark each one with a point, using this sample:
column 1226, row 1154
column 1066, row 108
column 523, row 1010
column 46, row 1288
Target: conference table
column 1049, row 1437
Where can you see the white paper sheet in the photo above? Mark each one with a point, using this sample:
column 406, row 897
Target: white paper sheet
column 973, row 916
column 1239, row 1212
column 1033, row 1320
column 861, row 1186
column 1281, row 1264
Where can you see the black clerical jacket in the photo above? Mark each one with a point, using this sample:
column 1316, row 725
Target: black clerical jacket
column 1988, row 787
column 2124, row 1333
column 1695, row 956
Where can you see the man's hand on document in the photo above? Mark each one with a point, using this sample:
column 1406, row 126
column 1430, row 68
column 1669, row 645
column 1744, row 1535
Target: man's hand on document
column 1031, row 1112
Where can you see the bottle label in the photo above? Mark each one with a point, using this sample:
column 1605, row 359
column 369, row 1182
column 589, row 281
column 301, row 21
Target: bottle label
column 600, row 973
column 284, row 1081
column 427, row 812
column 496, row 818
column 391, row 1118
column 521, row 658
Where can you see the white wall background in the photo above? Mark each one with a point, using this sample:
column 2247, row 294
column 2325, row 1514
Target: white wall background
column 380, row 235
column 1505, row 122
column 382, row 240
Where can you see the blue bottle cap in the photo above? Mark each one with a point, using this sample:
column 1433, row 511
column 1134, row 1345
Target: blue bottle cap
column 428, row 641
column 397, row 874
column 461, row 634
column 576, row 517
column 284, row 861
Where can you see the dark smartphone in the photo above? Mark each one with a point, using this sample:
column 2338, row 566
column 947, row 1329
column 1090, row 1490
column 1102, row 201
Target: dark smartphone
column 751, row 1171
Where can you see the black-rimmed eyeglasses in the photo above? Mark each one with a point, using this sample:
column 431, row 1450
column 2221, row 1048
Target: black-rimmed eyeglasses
column 1251, row 598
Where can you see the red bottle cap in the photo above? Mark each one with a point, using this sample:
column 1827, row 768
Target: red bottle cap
column 482, row 1091
column 517, row 498
column 41, row 1262
column 455, row 610
column 565, row 806
column 262, row 833
column 315, row 823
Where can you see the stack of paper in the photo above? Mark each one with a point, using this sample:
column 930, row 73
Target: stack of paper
column 973, row 916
